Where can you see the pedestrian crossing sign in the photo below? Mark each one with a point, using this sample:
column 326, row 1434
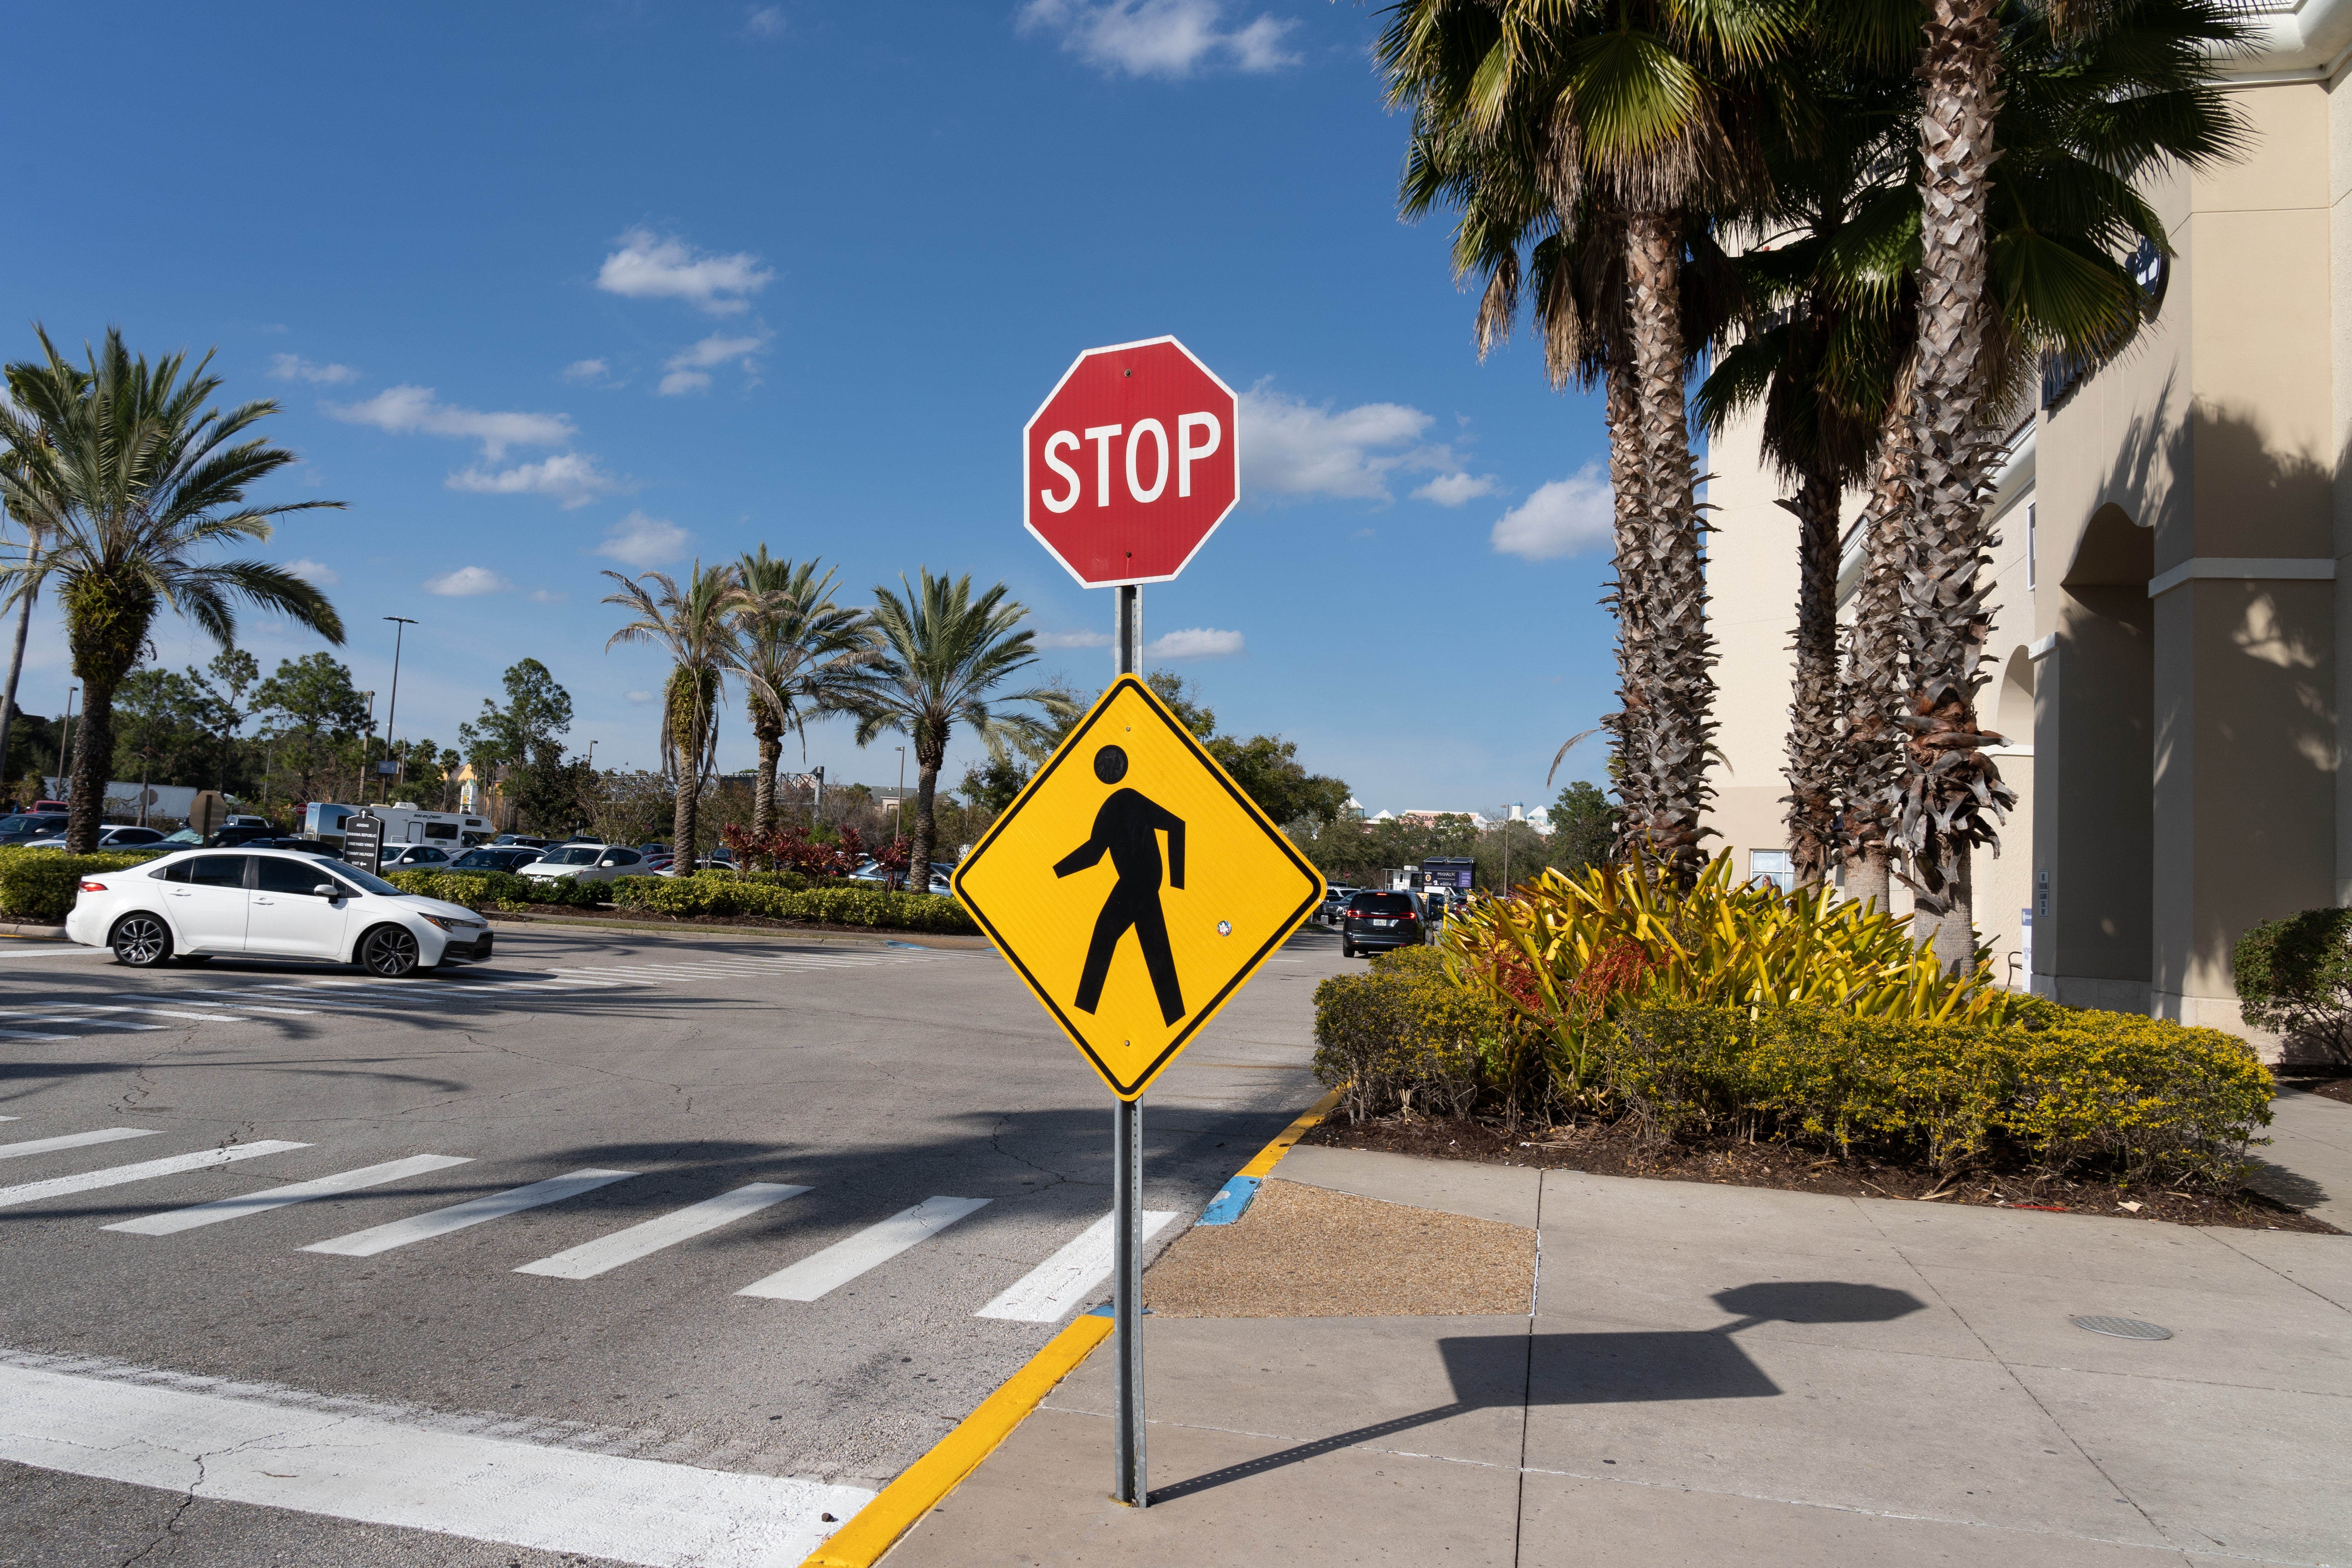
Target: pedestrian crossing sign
column 1134, row 887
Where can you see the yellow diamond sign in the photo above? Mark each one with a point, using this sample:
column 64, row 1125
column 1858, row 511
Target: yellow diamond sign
column 1133, row 887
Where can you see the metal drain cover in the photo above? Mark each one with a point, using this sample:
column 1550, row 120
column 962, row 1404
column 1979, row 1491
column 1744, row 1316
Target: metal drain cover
column 2122, row 1328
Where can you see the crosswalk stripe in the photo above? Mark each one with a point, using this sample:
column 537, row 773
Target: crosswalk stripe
column 590, row 1258
column 845, row 1260
column 28, row 1035
column 197, row 999
column 88, row 1024
column 473, row 1211
column 116, row 1175
column 1047, row 1292
column 159, row 1012
column 172, row 1221
column 75, row 1140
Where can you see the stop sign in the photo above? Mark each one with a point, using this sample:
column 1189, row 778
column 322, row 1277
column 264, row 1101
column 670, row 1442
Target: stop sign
column 1130, row 465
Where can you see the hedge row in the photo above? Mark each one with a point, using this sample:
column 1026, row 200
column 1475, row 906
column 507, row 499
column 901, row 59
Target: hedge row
column 2059, row 1087
column 836, row 905
column 36, row 886
column 498, row 889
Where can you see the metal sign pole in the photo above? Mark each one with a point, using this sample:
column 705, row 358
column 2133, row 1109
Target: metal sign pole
column 1130, row 1483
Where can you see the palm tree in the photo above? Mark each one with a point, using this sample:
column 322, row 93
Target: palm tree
column 26, row 591
column 1631, row 114
column 126, row 475
column 693, row 626
column 939, row 656
column 797, row 653
column 2079, row 104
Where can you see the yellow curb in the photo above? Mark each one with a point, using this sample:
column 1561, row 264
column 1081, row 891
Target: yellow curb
column 878, row 1525
column 1271, row 1155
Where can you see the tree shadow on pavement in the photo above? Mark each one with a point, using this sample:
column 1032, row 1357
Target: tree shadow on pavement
column 1491, row 1371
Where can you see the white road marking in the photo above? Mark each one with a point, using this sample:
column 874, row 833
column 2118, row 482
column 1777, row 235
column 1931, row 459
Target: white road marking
column 159, row 1012
column 75, row 1140
column 172, row 1221
column 85, row 1023
column 845, row 1260
column 473, row 1211
column 1047, row 1292
column 116, row 1175
column 343, row 1465
column 26, row 1035
column 197, row 999
column 590, row 1258
column 62, row 950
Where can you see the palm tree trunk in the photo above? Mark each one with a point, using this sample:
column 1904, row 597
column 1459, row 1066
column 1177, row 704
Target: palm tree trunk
column 1681, row 679
column 1949, row 786
column 1629, row 598
column 763, row 784
column 928, row 757
column 16, row 668
column 93, row 754
column 1870, row 761
column 1813, row 769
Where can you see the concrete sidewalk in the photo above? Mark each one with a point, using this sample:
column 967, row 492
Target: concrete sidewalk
column 1722, row 1374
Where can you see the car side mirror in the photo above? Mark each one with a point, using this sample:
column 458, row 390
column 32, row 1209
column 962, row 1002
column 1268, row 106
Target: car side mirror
column 327, row 891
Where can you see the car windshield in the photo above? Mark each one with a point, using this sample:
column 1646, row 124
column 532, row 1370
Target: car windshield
column 1383, row 904
column 30, row 825
column 578, row 856
column 366, row 881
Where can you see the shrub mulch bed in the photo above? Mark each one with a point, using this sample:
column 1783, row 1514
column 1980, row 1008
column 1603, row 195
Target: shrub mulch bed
column 2333, row 1089
column 1618, row 1148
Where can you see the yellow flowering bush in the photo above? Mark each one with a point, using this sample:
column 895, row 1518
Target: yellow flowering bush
column 1404, row 1035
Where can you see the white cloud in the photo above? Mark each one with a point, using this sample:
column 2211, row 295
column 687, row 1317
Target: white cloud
column 315, row 572
column 1074, row 639
column 467, row 582
column 1196, row 642
column 546, row 596
column 412, row 410
column 1560, row 519
column 1453, row 490
column 591, row 372
column 641, row 541
column 767, row 22
column 690, row 368
column 1293, row 447
column 1158, row 38
column 651, row 266
column 294, row 367
column 638, row 695
column 571, row 478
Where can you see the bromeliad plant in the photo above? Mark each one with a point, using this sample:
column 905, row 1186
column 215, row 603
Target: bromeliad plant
column 1572, row 954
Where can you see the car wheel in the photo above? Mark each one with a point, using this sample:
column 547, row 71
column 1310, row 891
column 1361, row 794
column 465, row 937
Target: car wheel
column 140, row 941
column 390, row 952
column 1347, row 947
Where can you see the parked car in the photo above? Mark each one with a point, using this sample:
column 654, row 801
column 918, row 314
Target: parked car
column 587, row 863
column 1334, row 899
column 495, row 857
column 1375, row 922
column 414, row 857
column 108, row 838
column 194, row 905
column 519, row 840
column 27, row 826
column 301, row 846
column 240, row 830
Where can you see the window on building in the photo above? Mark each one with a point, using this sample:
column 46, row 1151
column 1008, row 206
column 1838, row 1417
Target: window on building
column 2032, row 545
column 1772, row 866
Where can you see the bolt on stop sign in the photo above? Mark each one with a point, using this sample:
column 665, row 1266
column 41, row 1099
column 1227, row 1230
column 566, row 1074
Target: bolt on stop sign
column 1131, row 463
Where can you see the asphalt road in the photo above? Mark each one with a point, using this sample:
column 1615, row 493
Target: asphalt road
column 679, row 1069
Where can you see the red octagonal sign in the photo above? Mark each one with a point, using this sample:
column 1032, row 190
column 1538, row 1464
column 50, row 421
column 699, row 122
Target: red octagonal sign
column 1130, row 464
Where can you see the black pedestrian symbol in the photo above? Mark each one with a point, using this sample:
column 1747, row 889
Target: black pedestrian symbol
column 1128, row 828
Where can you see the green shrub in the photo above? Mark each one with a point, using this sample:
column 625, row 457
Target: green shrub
column 1403, row 1032
column 2295, row 976
column 685, row 897
column 2065, row 1089
column 37, row 886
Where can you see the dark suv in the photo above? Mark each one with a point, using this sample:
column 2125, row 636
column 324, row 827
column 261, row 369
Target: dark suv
column 1374, row 923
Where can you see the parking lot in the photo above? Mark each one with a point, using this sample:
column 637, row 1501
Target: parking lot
column 760, row 1207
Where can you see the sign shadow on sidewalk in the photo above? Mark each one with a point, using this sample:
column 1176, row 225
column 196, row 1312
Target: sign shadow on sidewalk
column 1504, row 1371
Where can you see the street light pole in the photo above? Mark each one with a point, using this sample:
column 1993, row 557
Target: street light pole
column 391, row 710
column 64, row 753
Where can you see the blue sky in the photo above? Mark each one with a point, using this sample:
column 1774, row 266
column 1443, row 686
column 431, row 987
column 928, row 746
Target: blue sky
column 546, row 291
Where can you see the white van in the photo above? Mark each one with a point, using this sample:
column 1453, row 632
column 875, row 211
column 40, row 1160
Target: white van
column 456, row 831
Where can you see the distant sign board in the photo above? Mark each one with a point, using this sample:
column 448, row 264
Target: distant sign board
column 363, row 840
column 1448, row 871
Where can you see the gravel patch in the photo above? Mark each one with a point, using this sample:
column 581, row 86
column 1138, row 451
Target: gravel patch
column 1305, row 1252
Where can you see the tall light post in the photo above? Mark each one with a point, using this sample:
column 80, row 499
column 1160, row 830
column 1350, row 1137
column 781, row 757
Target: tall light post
column 391, row 710
column 64, row 753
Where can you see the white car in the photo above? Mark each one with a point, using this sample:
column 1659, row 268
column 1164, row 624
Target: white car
column 275, row 903
column 585, row 863
column 108, row 838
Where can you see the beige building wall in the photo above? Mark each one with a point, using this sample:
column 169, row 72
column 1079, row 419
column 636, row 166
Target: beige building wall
column 2164, row 665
